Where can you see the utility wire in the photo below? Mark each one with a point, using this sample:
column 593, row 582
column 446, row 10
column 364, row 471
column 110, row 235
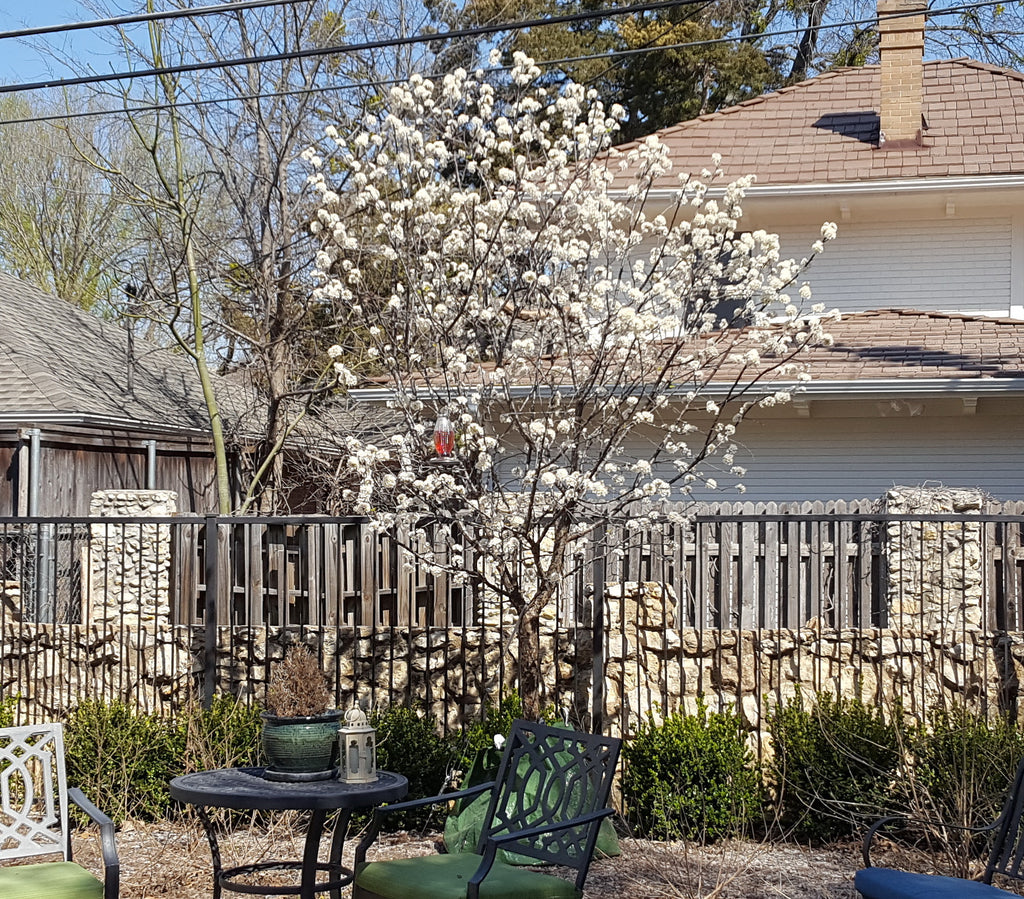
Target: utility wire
column 386, row 82
column 406, row 40
column 137, row 18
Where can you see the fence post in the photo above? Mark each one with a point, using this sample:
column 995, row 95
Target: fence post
column 210, row 612
column 598, row 659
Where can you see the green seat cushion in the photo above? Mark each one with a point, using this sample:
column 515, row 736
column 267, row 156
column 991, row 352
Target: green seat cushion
column 446, row 877
column 50, row 880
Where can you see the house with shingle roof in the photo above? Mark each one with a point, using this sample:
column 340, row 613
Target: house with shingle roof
column 921, row 165
column 84, row 407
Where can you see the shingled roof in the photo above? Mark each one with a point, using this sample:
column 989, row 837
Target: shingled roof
column 60, row 362
column 910, row 344
column 825, row 130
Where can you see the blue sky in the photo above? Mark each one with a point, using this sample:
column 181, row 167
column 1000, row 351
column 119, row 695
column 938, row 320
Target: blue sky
column 20, row 63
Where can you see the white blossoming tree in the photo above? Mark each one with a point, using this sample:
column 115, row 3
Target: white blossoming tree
column 509, row 278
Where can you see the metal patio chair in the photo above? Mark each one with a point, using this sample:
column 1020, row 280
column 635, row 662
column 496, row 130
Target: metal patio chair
column 1006, row 858
column 547, row 803
column 34, row 801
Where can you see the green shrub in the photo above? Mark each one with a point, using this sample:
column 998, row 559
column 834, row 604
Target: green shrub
column 834, row 764
column 226, row 735
column 479, row 737
column 8, row 709
column 123, row 758
column 960, row 768
column 690, row 777
column 409, row 742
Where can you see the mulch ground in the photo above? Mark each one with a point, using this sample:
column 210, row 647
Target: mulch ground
column 173, row 862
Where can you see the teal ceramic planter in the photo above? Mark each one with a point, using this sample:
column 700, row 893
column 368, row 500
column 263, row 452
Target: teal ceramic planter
column 301, row 746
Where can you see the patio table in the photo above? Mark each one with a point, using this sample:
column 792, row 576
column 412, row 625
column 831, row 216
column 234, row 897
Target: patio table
column 248, row 789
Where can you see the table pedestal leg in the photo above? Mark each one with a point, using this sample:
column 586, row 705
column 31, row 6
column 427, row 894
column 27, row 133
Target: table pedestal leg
column 311, row 854
column 211, row 838
column 309, row 866
column 338, row 844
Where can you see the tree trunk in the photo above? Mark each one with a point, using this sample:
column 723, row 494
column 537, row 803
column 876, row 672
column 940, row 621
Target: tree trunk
column 529, row 661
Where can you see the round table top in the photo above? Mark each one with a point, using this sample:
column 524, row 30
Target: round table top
column 247, row 788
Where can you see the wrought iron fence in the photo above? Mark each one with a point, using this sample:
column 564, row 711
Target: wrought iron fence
column 157, row 610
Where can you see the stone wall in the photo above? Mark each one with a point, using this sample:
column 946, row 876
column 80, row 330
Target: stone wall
column 751, row 670
column 452, row 674
column 53, row 667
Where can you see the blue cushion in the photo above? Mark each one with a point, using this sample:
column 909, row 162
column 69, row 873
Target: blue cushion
column 886, row 883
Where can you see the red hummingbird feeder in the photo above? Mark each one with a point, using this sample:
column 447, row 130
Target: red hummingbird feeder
column 444, row 436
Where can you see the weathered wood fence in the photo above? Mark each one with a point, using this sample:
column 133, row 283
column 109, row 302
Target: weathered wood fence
column 730, row 566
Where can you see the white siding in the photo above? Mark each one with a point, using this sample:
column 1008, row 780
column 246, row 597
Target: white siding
column 945, row 265
column 857, row 458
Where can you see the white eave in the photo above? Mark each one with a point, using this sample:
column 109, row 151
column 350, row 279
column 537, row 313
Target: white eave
column 821, row 389
column 896, row 185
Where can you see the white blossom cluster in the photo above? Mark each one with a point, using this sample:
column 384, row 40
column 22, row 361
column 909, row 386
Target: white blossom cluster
column 497, row 249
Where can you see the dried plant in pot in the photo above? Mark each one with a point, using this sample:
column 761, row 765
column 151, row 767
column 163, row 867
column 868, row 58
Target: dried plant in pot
column 300, row 729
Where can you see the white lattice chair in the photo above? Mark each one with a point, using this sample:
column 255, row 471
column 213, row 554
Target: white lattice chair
column 34, row 821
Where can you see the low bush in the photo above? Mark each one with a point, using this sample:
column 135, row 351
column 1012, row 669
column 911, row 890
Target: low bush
column 409, row 742
column 226, row 735
column 498, row 719
column 958, row 770
column 691, row 777
column 124, row 758
column 834, row 764
column 963, row 764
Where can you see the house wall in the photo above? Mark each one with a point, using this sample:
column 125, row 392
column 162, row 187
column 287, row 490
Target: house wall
column 862, row 453
column 944, row 265
column 942, row 250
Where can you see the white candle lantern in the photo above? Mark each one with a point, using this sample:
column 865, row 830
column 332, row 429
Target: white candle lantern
column 357, row 745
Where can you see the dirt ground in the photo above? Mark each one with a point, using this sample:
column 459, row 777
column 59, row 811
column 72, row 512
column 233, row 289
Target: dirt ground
column 173, row 862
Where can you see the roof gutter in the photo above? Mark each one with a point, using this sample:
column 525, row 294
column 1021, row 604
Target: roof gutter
column 856, row 188
column 822, row 389
column 29, row 418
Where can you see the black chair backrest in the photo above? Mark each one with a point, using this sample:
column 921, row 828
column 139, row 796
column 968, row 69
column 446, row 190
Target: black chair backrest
column 1008, row 849
column 547, row 775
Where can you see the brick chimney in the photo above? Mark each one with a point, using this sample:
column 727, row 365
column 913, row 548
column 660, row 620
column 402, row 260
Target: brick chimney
column 902, row 55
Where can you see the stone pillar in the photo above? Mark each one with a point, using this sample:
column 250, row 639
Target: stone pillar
column 935, row 576
column 129, row 564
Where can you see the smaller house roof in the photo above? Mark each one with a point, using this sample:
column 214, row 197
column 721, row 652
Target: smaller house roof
column 909, row 344
column 825, row 130
column 61, row 362
column 881, row 351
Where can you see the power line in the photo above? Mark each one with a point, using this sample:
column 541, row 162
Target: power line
column 138, row 18
column 475, row 31
column 386, row 82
